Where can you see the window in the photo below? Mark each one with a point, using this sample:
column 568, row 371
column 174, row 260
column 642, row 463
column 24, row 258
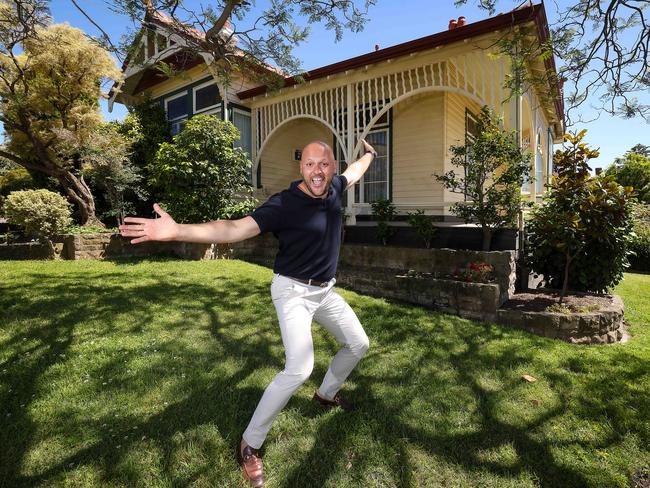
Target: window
column 549, row 155
column 471, row 133
column 539, row 171
column 525, row 147
column 471, row 127
column 242, row 120
column 375, row 182
column 176, row 109
column 207, row 99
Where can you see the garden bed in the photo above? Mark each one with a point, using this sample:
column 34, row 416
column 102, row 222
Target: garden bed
column 583, row 318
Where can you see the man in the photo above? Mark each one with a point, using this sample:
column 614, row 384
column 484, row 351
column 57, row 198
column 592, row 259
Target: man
column 306, row 218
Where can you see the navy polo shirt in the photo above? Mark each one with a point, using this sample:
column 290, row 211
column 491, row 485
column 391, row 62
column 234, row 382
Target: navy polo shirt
column 308, row 228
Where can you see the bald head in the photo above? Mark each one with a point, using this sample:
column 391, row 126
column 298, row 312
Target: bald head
column 317, row 167
column 315, row 147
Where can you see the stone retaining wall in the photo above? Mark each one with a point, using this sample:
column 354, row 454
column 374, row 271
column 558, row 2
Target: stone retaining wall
column 601, row 327
column 381, row 271
column 25, row 250
column 100, row 246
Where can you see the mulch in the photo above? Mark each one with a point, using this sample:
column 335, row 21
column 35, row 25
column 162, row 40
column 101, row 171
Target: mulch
column 641, row 479
column 539, row 300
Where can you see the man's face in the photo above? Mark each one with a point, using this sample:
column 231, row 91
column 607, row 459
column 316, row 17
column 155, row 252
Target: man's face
column 317, row 167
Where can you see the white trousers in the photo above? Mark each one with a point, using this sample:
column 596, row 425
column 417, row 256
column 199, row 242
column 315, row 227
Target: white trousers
column 297, row 305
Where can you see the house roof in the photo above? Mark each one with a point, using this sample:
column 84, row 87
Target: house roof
column 149, row 77
column 530, row 13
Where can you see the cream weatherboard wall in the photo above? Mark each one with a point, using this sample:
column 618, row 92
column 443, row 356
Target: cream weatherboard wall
column 456, row 107
column 418, row 152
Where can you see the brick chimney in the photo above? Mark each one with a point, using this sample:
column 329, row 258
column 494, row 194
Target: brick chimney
column 461, row 21
column 452, row 24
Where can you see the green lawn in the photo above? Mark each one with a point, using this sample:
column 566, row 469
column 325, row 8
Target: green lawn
column 145, row 374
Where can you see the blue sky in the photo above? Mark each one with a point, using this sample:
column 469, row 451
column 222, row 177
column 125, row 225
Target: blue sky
column 391, row 22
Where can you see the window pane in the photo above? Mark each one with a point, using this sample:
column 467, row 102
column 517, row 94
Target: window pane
column 243, row 123
column 539, row 182
column 177, row 108
column 375, row 181
column 177, row 126
column 206, row 97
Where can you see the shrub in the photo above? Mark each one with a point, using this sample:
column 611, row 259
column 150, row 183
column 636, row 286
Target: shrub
column 579, row 236
column 383, row 212
column 640, row 243
column 201, row 175
column 423, row 226
column 41, row 212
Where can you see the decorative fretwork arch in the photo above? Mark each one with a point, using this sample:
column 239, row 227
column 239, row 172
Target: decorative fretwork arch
column 477, row 74
column 339, row 139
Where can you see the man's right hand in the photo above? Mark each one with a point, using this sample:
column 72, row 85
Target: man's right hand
column 162, row 229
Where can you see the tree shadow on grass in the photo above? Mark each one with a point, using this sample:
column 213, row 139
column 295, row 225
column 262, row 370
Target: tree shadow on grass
column 466, row 352
column 55, row 313
column 436, row 364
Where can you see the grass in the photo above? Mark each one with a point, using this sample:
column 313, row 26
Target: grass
column 146, row 373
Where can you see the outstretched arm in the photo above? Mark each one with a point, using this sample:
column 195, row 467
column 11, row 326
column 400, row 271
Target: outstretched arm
column 166, row 229
column 356, row 170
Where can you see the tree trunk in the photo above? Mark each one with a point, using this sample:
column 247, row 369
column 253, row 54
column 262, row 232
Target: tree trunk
column 80, row 194
column 565, row 282
column 487, row 238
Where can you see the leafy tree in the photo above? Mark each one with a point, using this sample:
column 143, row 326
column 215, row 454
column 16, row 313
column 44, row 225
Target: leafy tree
column 641, row 149
column 633, row 170
column 147, row 128
column 579, row 236
column 640, row 243
column 201, row 174
column 604, row 51
column 235, row 35
column 108, row 167
column 494, row 167
column 50, row 79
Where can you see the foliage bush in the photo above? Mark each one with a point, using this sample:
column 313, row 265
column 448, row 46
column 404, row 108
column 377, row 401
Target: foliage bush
column 41, row 213
column 494, row 168
column 383, row 212
column 423, row 226
column 201, row 175
column 579, row 236
column 640, row 243
column 89, row 229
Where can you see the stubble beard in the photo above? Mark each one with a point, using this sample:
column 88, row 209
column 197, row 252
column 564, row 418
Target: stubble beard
column 312, row 191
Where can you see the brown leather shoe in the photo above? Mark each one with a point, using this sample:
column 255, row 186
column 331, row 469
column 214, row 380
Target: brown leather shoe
column 251, row 465
column 338, row 401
